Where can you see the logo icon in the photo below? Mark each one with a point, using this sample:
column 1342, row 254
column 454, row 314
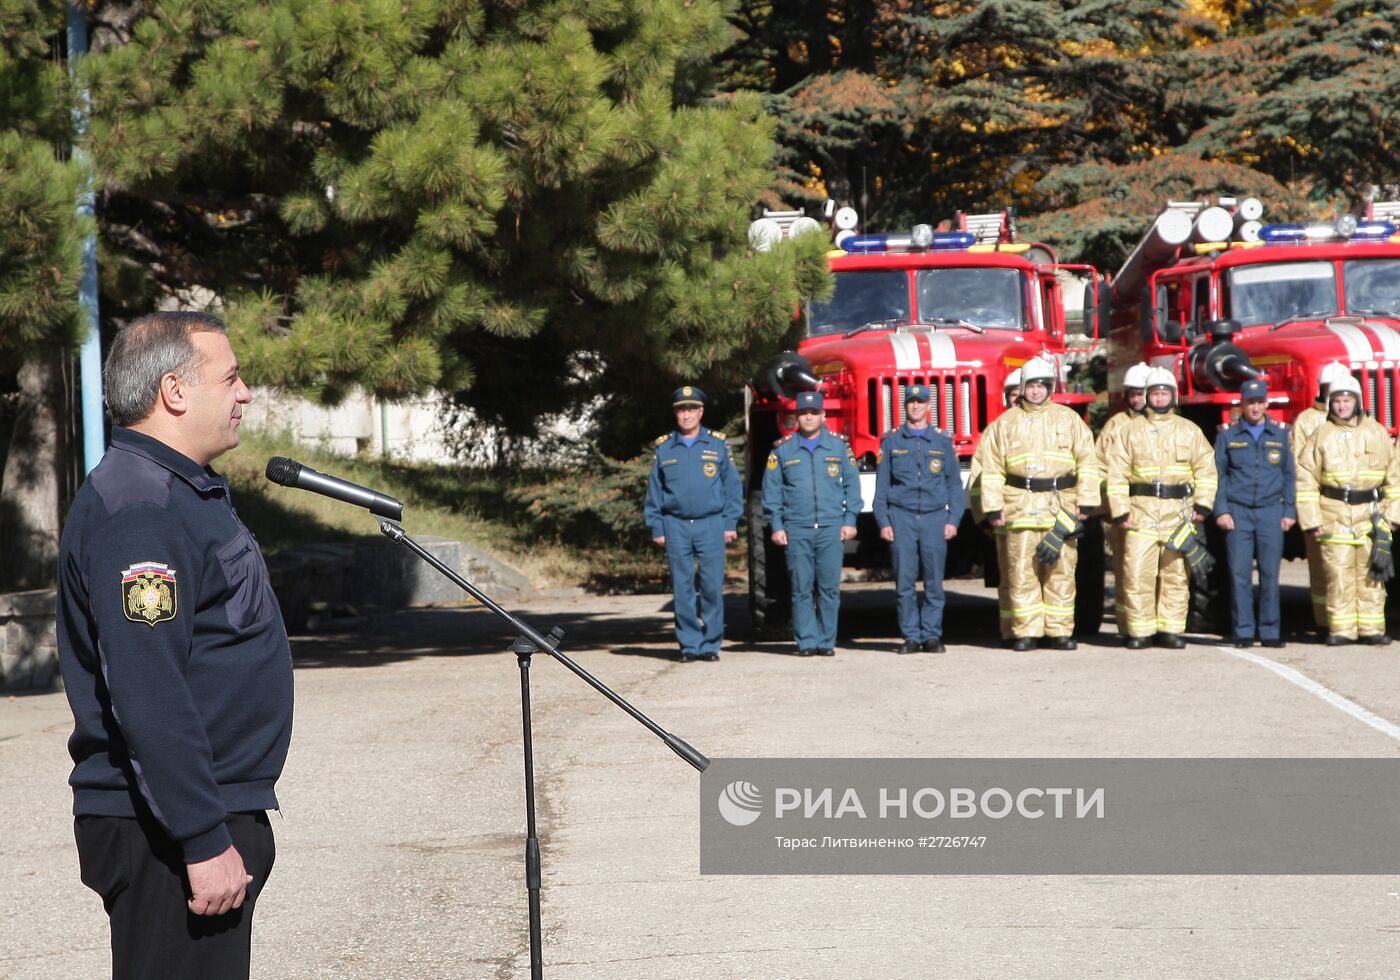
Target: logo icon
column 740, row 803
column 148, row 593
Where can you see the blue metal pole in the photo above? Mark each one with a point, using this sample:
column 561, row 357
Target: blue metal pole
column 90, row 355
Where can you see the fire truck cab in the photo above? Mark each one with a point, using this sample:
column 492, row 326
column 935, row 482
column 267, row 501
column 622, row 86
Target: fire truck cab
column 955, row 310
column 1216, row 297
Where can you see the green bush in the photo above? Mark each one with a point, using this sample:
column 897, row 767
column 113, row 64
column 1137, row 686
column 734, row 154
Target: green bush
column 600, row 504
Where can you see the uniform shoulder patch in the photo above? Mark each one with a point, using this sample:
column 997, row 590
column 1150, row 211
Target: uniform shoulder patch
column 661, row 439
column 779, row 442
column 148, row 593
column 842, row 436
column 718, row 435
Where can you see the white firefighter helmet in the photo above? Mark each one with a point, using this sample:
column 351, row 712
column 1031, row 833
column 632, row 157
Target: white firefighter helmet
column 1040, row 369
column 1013, row 380
column 1346, row 383
column 1136, row 376
column 1160, row 378
column 1331, row 373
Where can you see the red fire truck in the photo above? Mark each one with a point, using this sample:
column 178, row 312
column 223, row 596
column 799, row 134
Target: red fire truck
column 956, row 310
column 1217, row 297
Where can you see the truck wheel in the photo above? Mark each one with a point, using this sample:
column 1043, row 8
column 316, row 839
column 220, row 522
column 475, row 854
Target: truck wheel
column 1089, row 577
column 770, row 593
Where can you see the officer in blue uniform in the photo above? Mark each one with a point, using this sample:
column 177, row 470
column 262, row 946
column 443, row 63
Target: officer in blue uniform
column 1254, row 507
column 811, row 498
column 919, row 501
column 693, row 505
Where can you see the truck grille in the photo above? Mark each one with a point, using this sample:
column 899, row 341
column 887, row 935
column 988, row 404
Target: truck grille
column 1378, row 391
column 958, row 404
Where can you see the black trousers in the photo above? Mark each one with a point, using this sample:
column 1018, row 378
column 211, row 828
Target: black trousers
column 140, row 874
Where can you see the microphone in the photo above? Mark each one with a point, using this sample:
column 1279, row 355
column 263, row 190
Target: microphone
column 290, row 473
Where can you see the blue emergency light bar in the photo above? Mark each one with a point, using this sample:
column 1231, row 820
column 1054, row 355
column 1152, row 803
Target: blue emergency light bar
column 947, row 241
column 1299, row 233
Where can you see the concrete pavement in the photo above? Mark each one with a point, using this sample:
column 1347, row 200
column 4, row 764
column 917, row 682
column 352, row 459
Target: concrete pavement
column 401, row 834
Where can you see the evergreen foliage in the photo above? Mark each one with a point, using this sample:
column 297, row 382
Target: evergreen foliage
column 527, row 204
column 913, row 110
column 40, row 244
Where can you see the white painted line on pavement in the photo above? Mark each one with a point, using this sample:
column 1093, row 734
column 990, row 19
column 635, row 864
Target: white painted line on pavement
column 1326, row 693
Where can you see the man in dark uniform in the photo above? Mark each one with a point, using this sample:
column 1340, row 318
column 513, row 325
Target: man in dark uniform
column 1254, row 506
column 693, row 505
column 919, row 501
column 175, row 662
column 811, row 498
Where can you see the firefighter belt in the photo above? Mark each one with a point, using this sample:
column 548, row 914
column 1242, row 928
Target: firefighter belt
column 1065, row 526
column 1187, row 540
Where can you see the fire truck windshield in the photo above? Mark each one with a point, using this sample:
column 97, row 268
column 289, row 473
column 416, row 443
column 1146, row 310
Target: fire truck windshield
column 985, row 297
column 1270, row 293
column 1372, row 285
column 862, row 297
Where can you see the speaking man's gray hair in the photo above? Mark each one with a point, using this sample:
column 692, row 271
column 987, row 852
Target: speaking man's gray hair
column 146, row 350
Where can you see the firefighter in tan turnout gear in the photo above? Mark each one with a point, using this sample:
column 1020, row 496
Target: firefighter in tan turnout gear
column 1010, row 394
column 1039, row 477
column 1348, row 496
column 1309, row 420
column 1135, row 396
column 1161, row 484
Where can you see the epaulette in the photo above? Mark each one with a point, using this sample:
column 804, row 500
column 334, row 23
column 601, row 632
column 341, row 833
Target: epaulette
column 661, row 439
column 779, row 442
column 718, row 435
column 842, row 436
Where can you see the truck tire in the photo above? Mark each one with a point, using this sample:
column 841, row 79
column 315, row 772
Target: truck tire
column 1089, row 576
column 770, row 593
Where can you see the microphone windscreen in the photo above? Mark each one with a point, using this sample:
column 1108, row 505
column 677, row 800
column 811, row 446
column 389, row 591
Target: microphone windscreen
column 283, row 471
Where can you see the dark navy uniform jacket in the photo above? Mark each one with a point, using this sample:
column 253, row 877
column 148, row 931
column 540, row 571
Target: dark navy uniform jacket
column 919, row 474
column 811, row 489
column 174, row 657
column 1255, row 473
column 693, row 482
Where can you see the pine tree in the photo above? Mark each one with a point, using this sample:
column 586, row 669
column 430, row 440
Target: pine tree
column 40, row 261
column 528, row 204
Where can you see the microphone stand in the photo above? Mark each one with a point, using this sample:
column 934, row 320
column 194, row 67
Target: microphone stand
column 529, row 642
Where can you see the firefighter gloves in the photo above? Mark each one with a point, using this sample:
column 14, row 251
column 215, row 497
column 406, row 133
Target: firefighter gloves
column 1187, row 540
column 1066, row 526
column 1382, row 567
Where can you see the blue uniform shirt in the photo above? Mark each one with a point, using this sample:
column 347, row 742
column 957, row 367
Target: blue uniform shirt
column 693, row 482
column 918, row 472
column 1255, row 472
column 175, row 660
column 815, row 488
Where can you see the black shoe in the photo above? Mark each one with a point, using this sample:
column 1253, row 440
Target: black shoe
column 1061, row 643
column 1170, row 641
column 709, row 655
column 1023, row 643
column 908, row 646
column 823, row 653
column 687, row 657
column 1333, row 640
column 1242, row 644
column 1137, row 642
column 1273, row 644
column 1376, row 640
column 934, row 646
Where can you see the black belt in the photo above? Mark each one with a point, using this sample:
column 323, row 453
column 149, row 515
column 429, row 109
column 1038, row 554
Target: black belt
column 1044, row 485
column 1347, row 495
column 1163, row 491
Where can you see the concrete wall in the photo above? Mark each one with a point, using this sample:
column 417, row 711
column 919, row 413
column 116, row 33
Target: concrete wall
column 28, row 652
